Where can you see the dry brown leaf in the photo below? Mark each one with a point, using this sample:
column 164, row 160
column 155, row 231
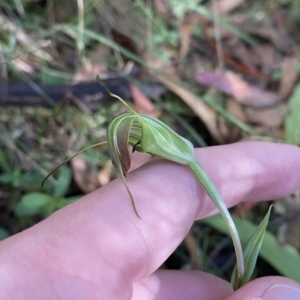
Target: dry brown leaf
column 266, row 134
column 97, row 65
column 234, row 55
column 193, row 249
column 220, row 9
column 206, row 114
column 223, row 7
column 143, row 104
column 251, row 25
column 238, row 50
column 105, row 173
column 266, row 55
column 271, row 117
column 23, row 66
column 277, row 33
column 289, row 76
column 186, row 31
column 161, row 7
column 223, row 127
column 243, row 208
column 235, row 109
column 244, row 93
column 84, row 177
column 280, row 31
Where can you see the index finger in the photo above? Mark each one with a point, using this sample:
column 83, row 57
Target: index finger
column 112, row 248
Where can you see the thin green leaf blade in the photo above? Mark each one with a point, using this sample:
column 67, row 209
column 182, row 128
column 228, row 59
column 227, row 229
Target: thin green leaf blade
column 251, row 252
column 292, row 122
column 284, row 258
column 253, row 246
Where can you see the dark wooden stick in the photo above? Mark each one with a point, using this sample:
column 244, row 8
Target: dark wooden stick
column 91, row 94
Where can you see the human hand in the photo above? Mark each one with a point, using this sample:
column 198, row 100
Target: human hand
column 97, row 248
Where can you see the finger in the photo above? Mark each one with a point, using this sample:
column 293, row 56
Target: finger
column 268, row 288
column 189, row 285
column 101, row 236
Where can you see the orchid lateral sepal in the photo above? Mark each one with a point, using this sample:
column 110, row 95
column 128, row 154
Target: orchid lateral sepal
column 71, row 157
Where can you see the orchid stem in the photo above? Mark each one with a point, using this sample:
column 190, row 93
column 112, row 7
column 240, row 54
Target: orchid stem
column 213, row 193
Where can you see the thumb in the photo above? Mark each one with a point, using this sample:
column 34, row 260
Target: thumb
column 268, row 288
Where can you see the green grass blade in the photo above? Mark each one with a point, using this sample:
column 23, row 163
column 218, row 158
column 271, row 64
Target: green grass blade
column 292, row 122
column 241, row 34
column 285, row 259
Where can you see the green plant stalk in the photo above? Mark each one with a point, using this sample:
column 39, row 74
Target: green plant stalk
column 213, row 193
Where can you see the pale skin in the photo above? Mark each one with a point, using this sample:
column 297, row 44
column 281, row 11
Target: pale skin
column 97, row 248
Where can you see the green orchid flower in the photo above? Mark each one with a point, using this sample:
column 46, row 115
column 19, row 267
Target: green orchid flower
column 150, row 135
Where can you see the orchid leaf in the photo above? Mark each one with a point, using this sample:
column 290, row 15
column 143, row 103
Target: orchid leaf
column 283, row 258
column 251, row 252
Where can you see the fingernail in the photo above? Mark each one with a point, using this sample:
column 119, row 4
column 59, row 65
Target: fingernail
column 280, row 292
